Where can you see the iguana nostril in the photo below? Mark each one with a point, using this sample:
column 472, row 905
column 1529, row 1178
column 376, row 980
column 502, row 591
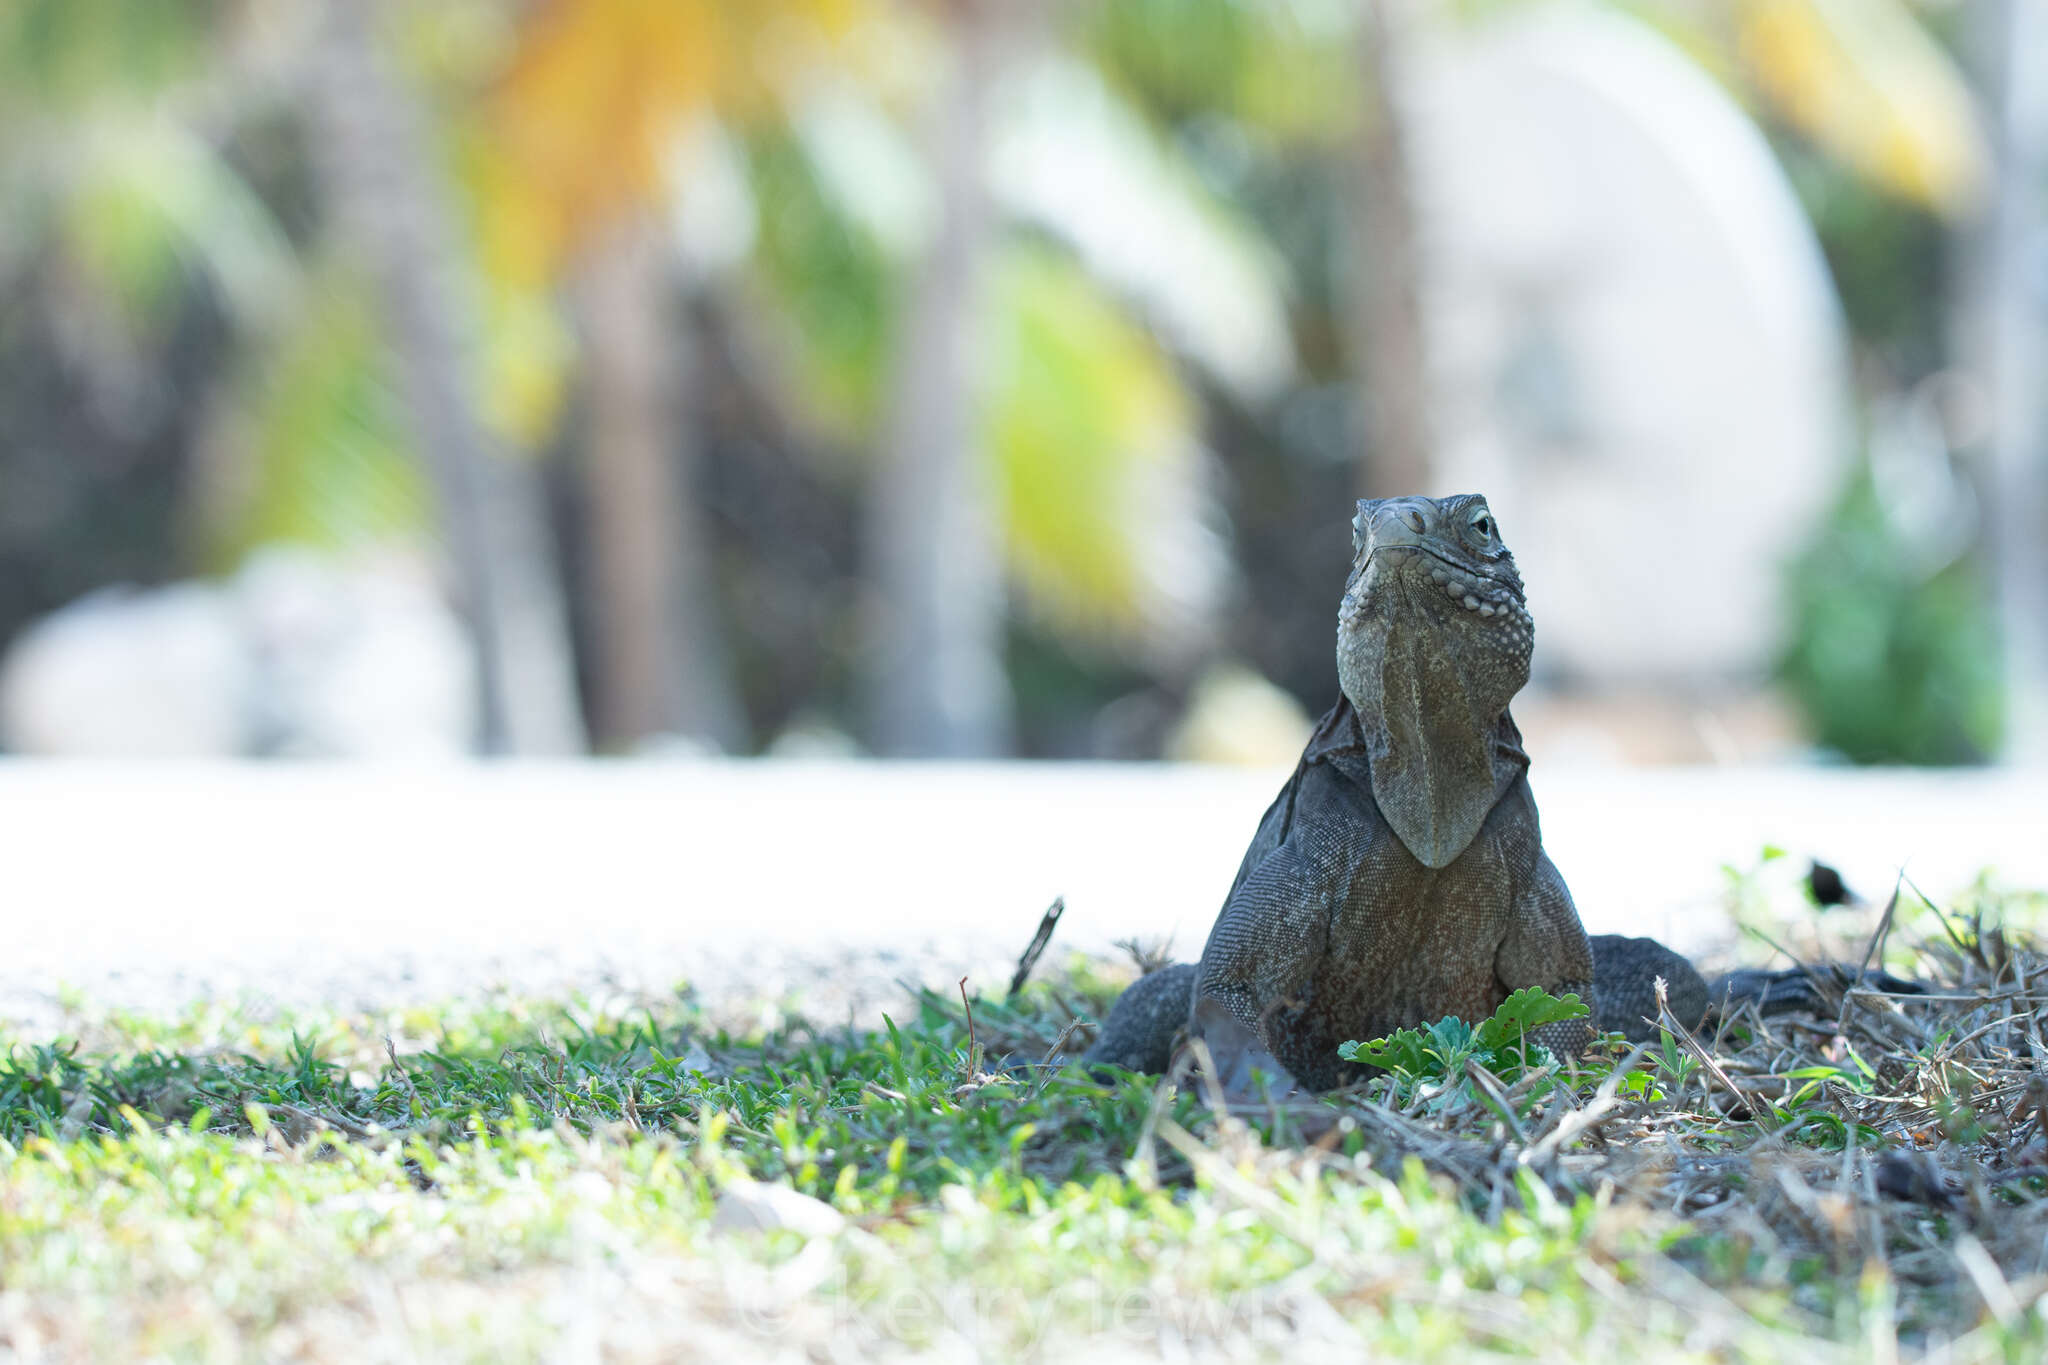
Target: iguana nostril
column 1415, row 520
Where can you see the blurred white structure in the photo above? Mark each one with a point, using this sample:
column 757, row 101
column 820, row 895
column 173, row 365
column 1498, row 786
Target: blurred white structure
column 294, row 655
column 1634, row 344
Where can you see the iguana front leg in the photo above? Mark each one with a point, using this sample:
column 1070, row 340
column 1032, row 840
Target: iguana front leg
column 1273, row 930
column 1273, row 933
column 1546, row 947
column 1151, row 1016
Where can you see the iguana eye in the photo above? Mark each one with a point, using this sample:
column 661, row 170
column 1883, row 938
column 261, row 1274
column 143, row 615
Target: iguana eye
column 1483, row 524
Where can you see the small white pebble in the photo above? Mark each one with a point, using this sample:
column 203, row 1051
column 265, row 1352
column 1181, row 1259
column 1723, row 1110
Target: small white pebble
column 754, row 1206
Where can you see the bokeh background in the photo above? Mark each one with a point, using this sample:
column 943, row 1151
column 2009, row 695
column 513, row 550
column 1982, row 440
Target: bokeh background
column 987, row 377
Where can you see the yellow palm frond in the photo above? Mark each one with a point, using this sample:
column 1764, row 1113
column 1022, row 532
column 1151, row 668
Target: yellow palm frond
column 579, row 125
column 1872, row 88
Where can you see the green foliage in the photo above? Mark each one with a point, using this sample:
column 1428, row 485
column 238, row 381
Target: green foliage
column 832, row 280
column 1761, row 897
column 1890, row 662
column 1439, row 1051
column 328, row 457
column 68, row 52
column 1093, row 444
column 1527, row 1009
column 1287, row 69
column 1089, row 433
column 145, row 202
column 94, row 154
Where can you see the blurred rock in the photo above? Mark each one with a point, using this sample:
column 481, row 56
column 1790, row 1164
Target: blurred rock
column 1235, row 716
column 810, row 735
column 753, row 1206
column 295, row 655
column 121, row 673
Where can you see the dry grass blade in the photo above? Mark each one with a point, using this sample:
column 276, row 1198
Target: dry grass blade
column 1036, row 948
column 1878, row 935
column 1671, row 1024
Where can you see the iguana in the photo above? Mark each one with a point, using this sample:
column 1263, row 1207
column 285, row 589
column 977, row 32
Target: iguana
column 1400, row 876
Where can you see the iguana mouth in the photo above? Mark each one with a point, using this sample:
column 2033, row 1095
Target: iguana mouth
column 1478, row 592
column 1452, row 569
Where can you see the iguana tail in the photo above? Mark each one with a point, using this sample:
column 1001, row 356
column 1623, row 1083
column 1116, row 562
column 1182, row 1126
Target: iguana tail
column 1625, row 972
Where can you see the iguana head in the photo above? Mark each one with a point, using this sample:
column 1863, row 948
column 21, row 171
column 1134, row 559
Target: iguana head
column 1433, row 641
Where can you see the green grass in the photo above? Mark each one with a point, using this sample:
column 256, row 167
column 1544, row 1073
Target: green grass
column 508, row 1180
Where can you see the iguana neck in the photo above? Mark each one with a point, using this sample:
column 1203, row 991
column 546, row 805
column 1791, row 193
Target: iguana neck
column 1438, row 740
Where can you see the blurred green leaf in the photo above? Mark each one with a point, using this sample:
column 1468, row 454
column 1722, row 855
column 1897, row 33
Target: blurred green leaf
column 146, row 200
column 1891, row 663
column 71, row 52
column 832, row 282
column 1091, row 433
column 325, row 441
column 1285, row 68
column 1095, row 451
column 1072, row 158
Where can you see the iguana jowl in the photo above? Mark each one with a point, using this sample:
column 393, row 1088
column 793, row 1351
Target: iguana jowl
column 1400, row 875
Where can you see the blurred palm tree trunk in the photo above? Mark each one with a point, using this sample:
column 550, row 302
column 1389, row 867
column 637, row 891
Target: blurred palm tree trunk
column 933, row 540
column 1387, row 334
column 2012, row 323
column 659, row 670
column 375, row 160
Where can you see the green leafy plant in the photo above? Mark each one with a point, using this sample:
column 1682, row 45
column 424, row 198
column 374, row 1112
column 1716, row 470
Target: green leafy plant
column 1439, row 1051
